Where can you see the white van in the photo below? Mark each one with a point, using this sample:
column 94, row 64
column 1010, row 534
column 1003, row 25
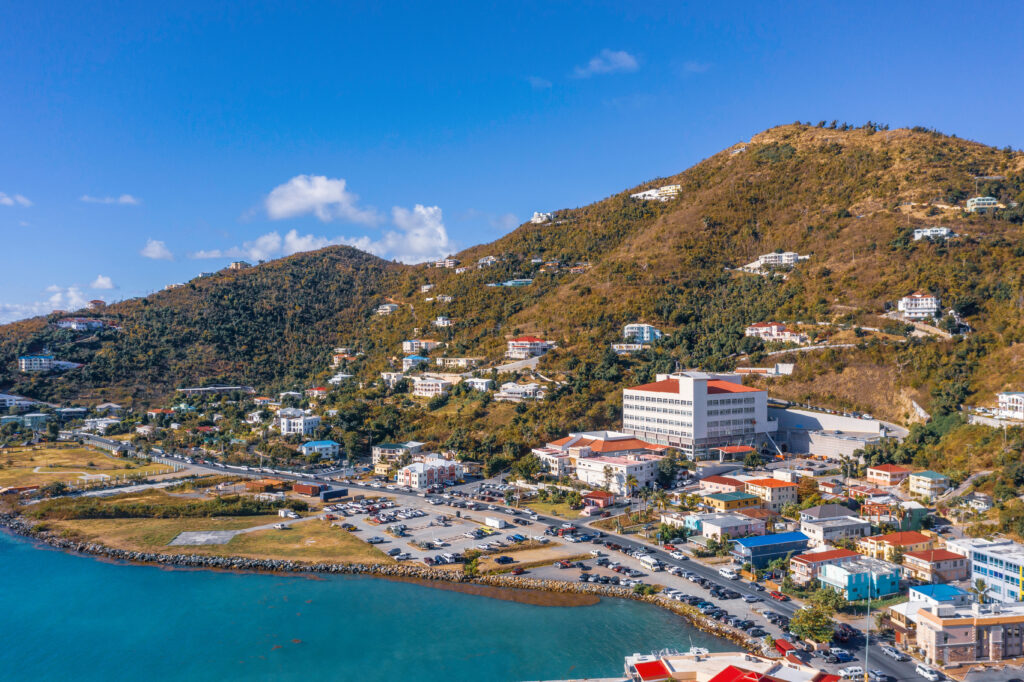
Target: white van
column 728, row 573
column 650, row 563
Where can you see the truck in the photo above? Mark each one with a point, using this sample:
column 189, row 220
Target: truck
column 495, row 523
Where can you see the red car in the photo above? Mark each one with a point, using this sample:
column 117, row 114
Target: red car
column 518, row 571
column 670, row 548
column 775, row 594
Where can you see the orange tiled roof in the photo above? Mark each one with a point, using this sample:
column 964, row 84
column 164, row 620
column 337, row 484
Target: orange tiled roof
column 771, row 483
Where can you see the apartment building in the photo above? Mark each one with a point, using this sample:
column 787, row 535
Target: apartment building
column 919, row 306
column 1011, row 404
column 933, row 233
column 928, row 484
column 774, row 494
column 478, row 384
column 513, row 392
column 525, row 347
column 457, row 363
column 665, row 193
column 612, row 471
column 719, row 526
column 425, row 474
column 441, row 321
column 948, row 634
column 412, row 361
column 540, row 217
column 936, row 566
column 861, row 578
column 419, row 345
column 302, row 424
column 696, row 412
column 35, row 363
column 430, row 387
column 559, row 456
column 823, row 532
column 982, row 204
column 883, row 546
column 386, row 308
column 639, row 332
column 887, row 474
column 999, row 563
column 324, row 448
column 723, row 502
column 80, row 324
column 775, row 331
column 721, row 484
column 779, row 258
column 804, row 568
column 761, row 551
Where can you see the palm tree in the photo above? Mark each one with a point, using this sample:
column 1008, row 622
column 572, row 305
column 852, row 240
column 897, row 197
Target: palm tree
column 661, row 499
column 631, row 484
column 979, row 588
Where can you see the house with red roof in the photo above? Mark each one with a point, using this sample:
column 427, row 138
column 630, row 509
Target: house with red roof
column 883, row 546
column 697, row 412
column 775, row 331
column 887, row 474
column 936, row 566
column 317, row 391
column 803, row 568
column 559, row 457
column 721, row 484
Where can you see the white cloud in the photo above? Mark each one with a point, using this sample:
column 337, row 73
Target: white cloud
column 608, row 61
column 538, row 83
column 324, row 197
column 421, row 236
column 14, row 199
column 696, row 67
column 70, row 298
column 124, row 199
column 102, row 282
column 60, row 298
column 157, row 250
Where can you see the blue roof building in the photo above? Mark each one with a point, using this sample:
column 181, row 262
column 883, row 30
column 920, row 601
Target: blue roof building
column 762, row 550
column 939, row 594
column 320, row 447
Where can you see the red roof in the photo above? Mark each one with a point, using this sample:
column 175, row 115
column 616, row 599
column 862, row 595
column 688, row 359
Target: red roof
column 722, row 480
column 652, row 670
column 733, row 674
column 718, row 386
column 765, row 324
column 830, row 555
column 528, row 339
column 599, row 495
column 734, row 448
column 771, row 483
column 890, row 468
column 902, row 538
column 933, row 555
column 783, row 646
column 604, row 445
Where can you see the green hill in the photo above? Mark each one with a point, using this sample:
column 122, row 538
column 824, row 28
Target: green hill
column 848, row 198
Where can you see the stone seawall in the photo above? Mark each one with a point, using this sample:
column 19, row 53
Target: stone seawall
column 19, row 526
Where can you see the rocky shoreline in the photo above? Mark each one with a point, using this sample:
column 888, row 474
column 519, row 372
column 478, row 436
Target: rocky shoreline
column 20, row 526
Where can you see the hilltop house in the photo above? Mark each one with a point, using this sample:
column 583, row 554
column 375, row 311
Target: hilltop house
column 919, row 306
column 442, row 321
column 386, row 308
column 429, row 387
column 35, row 363
column 413, row 361
column 419, row 345
column 80, row 324
column 928, row 484
column 933, row 233
column 664, row 193
column 540, row 218
column 775, row 331
column 639, row 332
column 559, row 457
column 325, row 448
column 887, row 474
column 513, row 392
column 1011, row 404
column 982, row 204
column 478, row 384
column 524, row 347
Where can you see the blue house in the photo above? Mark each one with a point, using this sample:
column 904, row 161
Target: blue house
column 939, row 594
column 762, row 550
column 324, row 448
column 859, row 579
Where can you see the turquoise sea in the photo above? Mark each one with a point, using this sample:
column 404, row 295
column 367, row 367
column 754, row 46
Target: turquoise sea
column 72, row 617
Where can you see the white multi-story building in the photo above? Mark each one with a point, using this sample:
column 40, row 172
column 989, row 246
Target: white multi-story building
column 303, row 424
column 559, row 456
column 614, row 470
column 429, row 387
column 445, row 298
column 391, row 379
column 780, row 258
column 1011, row 404
column 666, row 193
column 386, row 308
column 627, row 348
column 775, row 331
column 324, row 448
column 426, row 288
column 35, row 363
column 462, row 363
column 695, row 412
column 919, row 306
column 412, row 361
column 443, row 321
column 540, row 218
column 825, row 532
column 982, row 204
column 419, row 345
column 8, row 401
column 999, row 563
column 486, row 261
column 933, row 233
column 80, row 324
column 527, row 347
column 446, row 263
column 639, row 332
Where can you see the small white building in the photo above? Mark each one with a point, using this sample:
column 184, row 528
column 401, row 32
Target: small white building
column 775, row 331
column 419, row 345
column 779, row 258
column 1011, row 404
column 982, row 204
column 324, row 448
column 933, row 233
column 255, row 417
column 446, row 263
column 665, row 193
column 430, row 472
column 391, row 379
column 413, row 361
column 486, row 261
column 638, row 332
column 627, row 348
column 461, row 363
column 35, row 363
column 478, row 384
column 540, row 218
column 919, row 306
column 386, row 308
column 442, row 321
column 445, row 298
column 80, row 324
column 514, row 392
column 525, row 347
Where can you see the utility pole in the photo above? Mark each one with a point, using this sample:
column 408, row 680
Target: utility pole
column 867, row 631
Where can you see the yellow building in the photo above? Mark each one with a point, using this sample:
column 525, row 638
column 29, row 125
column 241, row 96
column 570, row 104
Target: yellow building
column 722, row 502
column 882, row 546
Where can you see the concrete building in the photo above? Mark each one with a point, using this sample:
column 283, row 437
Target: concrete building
column 928, row 484
column 540, row 218
column 761, row 551
column 721, row 484
column 779, row 258
column 80, row 324
column 386, row 308
column 1011, row 404
column 775, row 331
column 900, row 514
column 695, row 412
column 239, row 265
column 413, row 361
column 559, row 456
column 324, row 448
column 861, row 578
column 933, row 233
column 936, row 566
column 887, row 474
column 903, row 617
column 824, row 511
column 639, row 332
column 428, row 473
column 804, row 568
column 665, row 193
column 948, row 634
column 732, row 666
column 884, row 546
column 429, row 387
column 525, row 347
column 303, row 424
column 413, row 346
column 982, row 204
column 719, row 526
column 513, row 392
column 446, row 263
column 919, row 306
column 35, row 363
column 478, row 384
column 774, row 494
column 999, row 563
column 824, row 532
column 612, row 471
column 457, row 363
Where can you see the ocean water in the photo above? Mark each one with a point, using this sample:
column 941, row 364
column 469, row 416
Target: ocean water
column 68, row 617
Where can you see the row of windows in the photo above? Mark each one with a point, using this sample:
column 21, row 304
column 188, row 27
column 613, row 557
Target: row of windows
column 665, row 410
column 980, row 558
column 731, row 401
column 653, row 399
column 735, row 410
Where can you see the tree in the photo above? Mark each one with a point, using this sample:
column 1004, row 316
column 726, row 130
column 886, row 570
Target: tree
column 631, row 484
column 828, row 599
column 896, row 555
column 814, row 624
column 978, row 589
column 752, row 460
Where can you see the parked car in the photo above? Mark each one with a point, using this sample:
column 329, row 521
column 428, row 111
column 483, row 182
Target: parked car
column 775, row 594
column 878, row 676
column 928, row 673
column 851, row 672
column 894, row 653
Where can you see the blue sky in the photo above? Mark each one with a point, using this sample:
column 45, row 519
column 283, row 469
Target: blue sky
column 144, row 145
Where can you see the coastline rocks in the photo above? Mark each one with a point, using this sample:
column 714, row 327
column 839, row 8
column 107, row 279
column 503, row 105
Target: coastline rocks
column 22, row 527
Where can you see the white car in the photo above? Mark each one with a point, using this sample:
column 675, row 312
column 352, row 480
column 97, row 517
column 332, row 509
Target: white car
column 852, row 671
column 928, row 673
column 677, row 555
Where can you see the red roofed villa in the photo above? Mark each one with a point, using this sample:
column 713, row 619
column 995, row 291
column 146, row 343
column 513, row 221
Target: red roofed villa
column 887, row 474
column 525, row 347
column 803, row 568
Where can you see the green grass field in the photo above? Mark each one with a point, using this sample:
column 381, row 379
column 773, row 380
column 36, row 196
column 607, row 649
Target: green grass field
column 45, row 464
